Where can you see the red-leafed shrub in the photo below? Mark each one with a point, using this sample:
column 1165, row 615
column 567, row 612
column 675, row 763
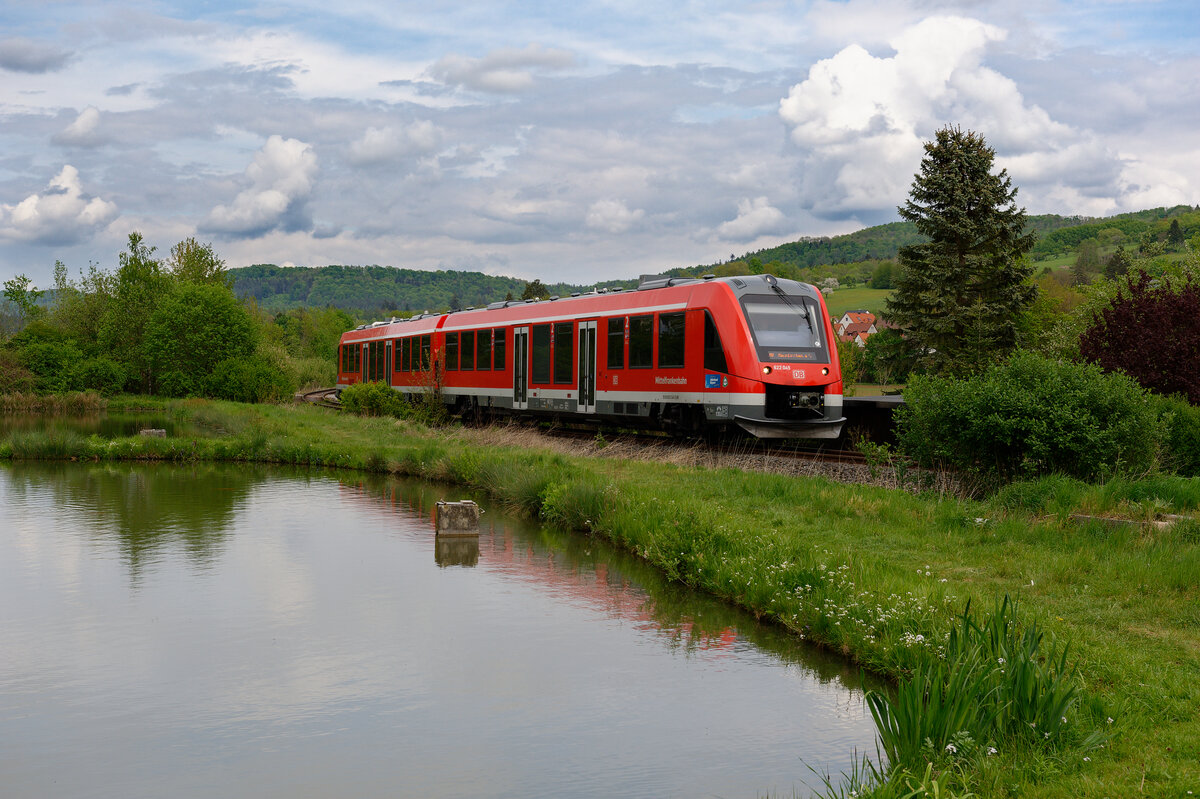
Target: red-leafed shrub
column 1152, row 333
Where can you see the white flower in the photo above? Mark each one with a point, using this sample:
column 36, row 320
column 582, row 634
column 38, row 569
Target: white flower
column 951, row 748
column 991, row 750
column 1110, row 719
column 1089, row 760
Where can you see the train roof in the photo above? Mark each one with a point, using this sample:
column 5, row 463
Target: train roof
column 653, row 292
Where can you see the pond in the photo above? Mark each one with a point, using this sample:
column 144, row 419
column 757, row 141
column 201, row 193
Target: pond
column 231, row 631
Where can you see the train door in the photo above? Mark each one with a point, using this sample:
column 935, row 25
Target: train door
column 520, row 368
column 388, row 364
column 587, row 367
column 365, row 364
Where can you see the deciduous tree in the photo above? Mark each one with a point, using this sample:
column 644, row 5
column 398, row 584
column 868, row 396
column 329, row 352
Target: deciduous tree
column 1150, row 332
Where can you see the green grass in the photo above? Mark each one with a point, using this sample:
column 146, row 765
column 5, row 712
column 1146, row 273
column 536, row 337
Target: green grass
column 856, row 299
column 882, row 576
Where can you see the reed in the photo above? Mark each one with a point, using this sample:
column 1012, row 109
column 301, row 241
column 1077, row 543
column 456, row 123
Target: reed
column 80, row 402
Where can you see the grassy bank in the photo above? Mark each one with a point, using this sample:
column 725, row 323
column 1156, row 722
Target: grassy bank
column 880, row 575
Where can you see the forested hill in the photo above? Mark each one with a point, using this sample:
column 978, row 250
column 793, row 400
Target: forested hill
column 376, row 289
column 379, row 290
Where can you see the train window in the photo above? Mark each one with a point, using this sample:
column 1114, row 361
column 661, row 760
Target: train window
column 451, row 352
column 344, row 355
column 641, row 341
column 483, row 350
column 782, row 321
column 406, row 355
column 714, row 352
column 564, row 352
column 498, row 348
column 616, row 342
column 670, row 340
column 468, row 349
column 539, row 361
column 426, row 359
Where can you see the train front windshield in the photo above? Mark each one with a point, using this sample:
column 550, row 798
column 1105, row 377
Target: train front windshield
column 786, row 328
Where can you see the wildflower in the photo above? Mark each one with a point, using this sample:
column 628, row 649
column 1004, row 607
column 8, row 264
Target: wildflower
column 951, row 748
column 1064, row 718
column 1110, row 719
column 1089, row 760
column 1001, row 661
column 991, row 750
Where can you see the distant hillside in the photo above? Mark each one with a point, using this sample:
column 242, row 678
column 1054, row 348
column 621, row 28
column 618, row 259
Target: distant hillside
column 378, row 289
column 1056, row 234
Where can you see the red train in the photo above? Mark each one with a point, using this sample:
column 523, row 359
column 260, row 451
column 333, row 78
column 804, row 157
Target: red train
column 686, row 354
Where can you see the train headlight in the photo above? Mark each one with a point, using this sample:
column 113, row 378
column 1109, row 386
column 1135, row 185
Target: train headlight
column 825, row 370
column 766, row 370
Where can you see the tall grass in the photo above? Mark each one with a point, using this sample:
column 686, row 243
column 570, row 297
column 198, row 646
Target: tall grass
column 78, row 402
column 1000, row 685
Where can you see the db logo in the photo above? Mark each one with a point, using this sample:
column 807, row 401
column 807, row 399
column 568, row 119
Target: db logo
column 797, row 374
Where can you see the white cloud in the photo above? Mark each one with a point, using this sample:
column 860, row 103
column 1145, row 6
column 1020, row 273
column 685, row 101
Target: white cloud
column 62, row 214
column 612, row 216
column 281, row 182
column 755, row 218
column 862, row 119
column 505, row 71
column 84, row 131
column 383, row 145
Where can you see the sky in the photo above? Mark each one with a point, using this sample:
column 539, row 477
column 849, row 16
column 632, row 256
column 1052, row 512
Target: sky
column 571, row 142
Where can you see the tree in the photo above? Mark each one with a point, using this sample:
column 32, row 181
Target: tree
column 1117, row 264
column 18, row 292
column 534, row 290
column 1087, row 263
column 191, row 262
column 881, row 277
column 1175, row 235
column 195, row 327
column 959, row 295
column 139, row 286
column 1149, row 332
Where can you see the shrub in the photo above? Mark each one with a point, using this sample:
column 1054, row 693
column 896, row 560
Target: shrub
column 14, row 378
column 101, row 374
column 1182, row 435
column 1031, row 416
column 248, row 379
column 373, row 399
column 53, row 363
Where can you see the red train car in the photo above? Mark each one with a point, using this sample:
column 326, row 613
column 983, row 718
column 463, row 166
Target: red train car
column 685, row 354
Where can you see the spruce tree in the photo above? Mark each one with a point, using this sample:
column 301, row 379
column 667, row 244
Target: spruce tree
column 958, row 295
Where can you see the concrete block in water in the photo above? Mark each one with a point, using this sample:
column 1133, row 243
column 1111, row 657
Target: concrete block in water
column 457, row 518
column 154, row 432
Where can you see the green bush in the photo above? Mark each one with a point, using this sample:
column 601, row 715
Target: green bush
column 101, row 374
column 1182, row 435
column 1031, row 416
column 373, row 399
column 14, row 378
column 53, row 364
column 248, row 379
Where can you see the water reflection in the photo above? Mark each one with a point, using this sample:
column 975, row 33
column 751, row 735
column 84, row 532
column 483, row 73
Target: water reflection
column 142, row 508
column 242, row 631
column 458, row 550
column 592, row 573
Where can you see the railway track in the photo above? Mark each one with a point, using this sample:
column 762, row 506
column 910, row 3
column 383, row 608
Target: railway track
column 735, row 445
column 325, row 397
